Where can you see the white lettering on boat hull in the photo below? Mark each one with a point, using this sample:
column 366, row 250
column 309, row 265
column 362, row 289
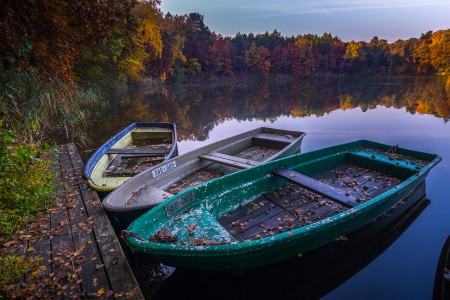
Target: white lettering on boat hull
column 161, row 170
column 179, row 203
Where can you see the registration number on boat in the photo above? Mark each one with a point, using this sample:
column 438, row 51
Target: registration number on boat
column 181, row 202
column 161, row 170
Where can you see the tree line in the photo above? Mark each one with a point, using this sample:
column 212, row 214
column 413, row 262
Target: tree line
column 101, row 41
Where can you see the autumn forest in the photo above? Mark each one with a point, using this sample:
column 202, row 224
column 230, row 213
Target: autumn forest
column 103, row 41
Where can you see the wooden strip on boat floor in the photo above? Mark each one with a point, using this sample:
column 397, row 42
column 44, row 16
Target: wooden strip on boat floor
column 253, row 208
column 331, row 172
column 291, row 207
column 226, row 162
column 241, row 226
column 258, row 153
column 317, row 186
column 231, row 158
column 278, row 214
column 362, row 183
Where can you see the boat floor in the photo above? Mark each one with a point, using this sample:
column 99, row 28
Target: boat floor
column 291, row 207
column 255, row 153
column 124, row 165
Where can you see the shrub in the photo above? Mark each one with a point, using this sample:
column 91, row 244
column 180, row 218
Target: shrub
column 14, row 266
column 27, row 183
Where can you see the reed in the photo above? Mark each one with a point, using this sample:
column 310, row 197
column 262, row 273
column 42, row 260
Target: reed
column 44, row 110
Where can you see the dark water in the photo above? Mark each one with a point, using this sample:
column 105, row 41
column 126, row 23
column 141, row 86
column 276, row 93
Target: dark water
column 394, row 260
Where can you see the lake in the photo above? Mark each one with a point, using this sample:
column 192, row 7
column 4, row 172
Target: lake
column 398, row 262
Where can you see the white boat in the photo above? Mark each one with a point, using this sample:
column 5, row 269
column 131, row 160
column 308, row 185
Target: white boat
column 160, row 182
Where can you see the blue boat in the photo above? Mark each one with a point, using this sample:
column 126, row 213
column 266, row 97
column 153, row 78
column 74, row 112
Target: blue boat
column 131, row 151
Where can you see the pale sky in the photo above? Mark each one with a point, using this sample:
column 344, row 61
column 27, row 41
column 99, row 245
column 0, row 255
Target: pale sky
column 348, row 19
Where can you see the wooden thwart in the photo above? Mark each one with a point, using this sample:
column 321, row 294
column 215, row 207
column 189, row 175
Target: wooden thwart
column 229, row 160
column 138, row 151
column 317, row 186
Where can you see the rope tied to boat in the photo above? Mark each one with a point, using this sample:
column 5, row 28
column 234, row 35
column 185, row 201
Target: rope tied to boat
column 392, row 149
column 125, row 234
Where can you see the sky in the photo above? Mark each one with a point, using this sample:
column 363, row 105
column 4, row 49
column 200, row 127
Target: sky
column 358, row 20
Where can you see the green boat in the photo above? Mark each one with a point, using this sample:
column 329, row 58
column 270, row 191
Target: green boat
column 279, row 209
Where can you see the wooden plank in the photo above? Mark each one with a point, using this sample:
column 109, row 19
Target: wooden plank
column 138, row 151
column 331, row 172
column 253, row 215
column 40, row 246
column 229, row 160
column 62, row 244
column 235, row 158
column 260, row 224
column 283, row 210
column 243, row 211
column 257, row 153
column 317, row 187
column 119, row 273
column 85, row 256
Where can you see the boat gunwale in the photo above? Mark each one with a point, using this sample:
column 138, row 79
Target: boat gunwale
column 288, row 236
column 101, row 151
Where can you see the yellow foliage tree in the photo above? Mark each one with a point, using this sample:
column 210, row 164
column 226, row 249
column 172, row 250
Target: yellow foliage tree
column 440, row 51
column 146, row 39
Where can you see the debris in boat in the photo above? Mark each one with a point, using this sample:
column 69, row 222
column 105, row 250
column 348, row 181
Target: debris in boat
column 191, row 227
column 252, row 208
column 205, row 242
column 162, row 236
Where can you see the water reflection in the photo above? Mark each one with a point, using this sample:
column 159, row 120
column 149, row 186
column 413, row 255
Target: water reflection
column 198, row 108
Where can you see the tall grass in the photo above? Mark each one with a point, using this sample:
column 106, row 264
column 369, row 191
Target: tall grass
column 44, row 110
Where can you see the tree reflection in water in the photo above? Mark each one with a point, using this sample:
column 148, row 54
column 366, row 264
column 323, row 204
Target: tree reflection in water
column 198, row 108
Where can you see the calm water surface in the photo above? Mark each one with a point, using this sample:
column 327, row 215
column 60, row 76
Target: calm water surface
column 410, row 111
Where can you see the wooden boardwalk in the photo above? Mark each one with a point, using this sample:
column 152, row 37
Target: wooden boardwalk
column 82, row 257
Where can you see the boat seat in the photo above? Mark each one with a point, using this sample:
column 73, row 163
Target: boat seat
column 317, row 186
column 272, row 140
column 229, row 160
column 138, row 151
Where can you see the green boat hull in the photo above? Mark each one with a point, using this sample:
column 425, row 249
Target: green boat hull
column 206, row 203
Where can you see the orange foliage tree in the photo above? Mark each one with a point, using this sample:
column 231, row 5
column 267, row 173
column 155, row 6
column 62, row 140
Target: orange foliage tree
column 50, row 35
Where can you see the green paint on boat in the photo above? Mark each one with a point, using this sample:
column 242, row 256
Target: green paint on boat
column 255, row 217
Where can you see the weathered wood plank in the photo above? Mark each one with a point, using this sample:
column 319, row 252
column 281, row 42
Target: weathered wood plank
column 257, row 153
column 119, row 273
column 254, row 208
column 62, row 246
column 85, row 256
column 228, row 160
column 317, row 187
column 235, row 158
